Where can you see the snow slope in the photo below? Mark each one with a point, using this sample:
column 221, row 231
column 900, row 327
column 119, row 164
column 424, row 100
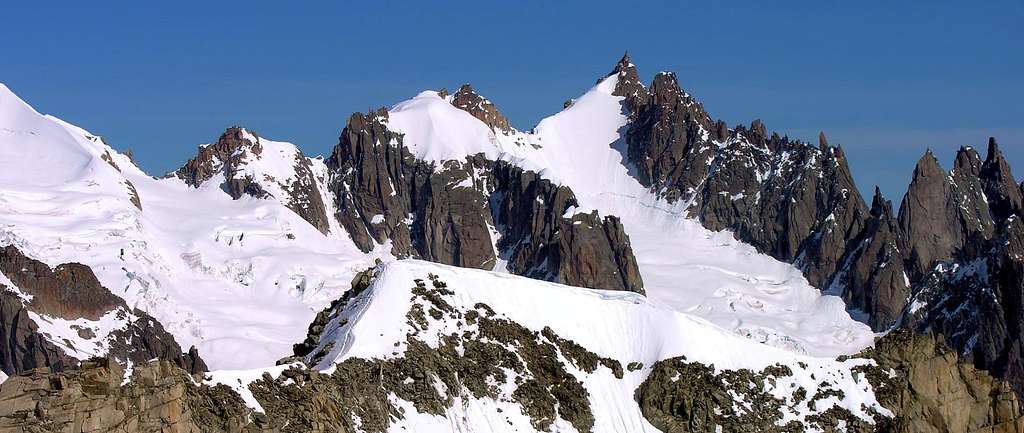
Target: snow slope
column 620, row 325
column 683, row 265
column 247, row 275
column 240, row 279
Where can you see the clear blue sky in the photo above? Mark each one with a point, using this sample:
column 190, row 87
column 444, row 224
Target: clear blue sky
column 884, row 79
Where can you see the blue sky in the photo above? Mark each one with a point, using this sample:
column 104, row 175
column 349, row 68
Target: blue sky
column 884, row 79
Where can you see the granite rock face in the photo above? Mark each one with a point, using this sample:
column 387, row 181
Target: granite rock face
column 545, row 238
column 384, row 194
column 871, row 277
column 976, row 304
column 916, row 377
column 466, row 99
column 470, row 213
column 964, row 244
column 69, row 291
column 953, row 201
column 946, row 257
column 23, row 348
column 1001, row 190
column 235, row 156
column 160, row 397
column 72, row 292
column 789, row 199
column 935, row 391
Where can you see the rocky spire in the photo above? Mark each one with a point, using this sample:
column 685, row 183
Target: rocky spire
column 466, row 99
column 628, row 85
column 926, row 207
column 665, row 88
column 1002, row 191
column 969, row 202
column 822, row 141
column 870, row 277
column 880, row 207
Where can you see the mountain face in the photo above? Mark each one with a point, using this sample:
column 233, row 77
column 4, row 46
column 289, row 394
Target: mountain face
column 670, row 273
column 471, row 213
column 101, row 321
column 791, row 200
column 245, row 164
column 871, row 276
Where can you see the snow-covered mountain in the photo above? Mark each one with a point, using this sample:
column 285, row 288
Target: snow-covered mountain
column 667, row 277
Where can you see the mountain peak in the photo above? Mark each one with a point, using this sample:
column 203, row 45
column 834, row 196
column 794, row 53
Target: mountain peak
column 468, row 100
column 625, row 64
column 880, row 207
column 1001, row 188
column 628, row 84
column 211, row 158
column 967, row 161
column 665, row 87
column 12, row 108
column 928, row 165
column 994, row 154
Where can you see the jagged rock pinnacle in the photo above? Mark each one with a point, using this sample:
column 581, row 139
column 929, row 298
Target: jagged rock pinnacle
column 466, row 99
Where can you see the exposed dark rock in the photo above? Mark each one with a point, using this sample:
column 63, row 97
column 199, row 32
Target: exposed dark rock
column 22, row 347
column 955, row 202
column 375, row 184
column 665, row 141
column 628, row 85
column 466, row 99
column 453, row 223
column 1001, row 190
column 228, row 156
column 384, row 193
column 452, row 213
column 918, row 379
column 871, row 278
column 541, row 242
column 71, row 291
column 145, row 339
column 977, row 303
column 680, row 396
column 472, row 364
column 791, row 200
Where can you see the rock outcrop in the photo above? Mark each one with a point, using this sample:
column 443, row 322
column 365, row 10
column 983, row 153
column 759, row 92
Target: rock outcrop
column 72, row 292
column 923, row 383
column 871, row 278
column 237, row 155
column 466, row 99
column 471, row 212
column 789, row 199
column 160, row 397
column 953, row 201
column 929, row 389
column 545, row 238
column 23, row 348
column 384, row 194
column 976, row 304
column 1001, row 190
column 69, row 291
column 964, row 249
